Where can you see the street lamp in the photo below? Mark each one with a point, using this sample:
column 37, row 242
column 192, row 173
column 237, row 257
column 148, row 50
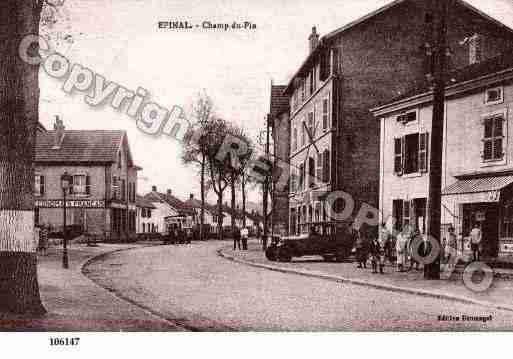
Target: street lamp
column 66, row 180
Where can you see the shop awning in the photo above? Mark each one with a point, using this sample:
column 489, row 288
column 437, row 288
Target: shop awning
column 491, row 185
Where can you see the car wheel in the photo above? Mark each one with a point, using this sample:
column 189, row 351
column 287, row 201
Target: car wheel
column 270, row 254
column 283, row 256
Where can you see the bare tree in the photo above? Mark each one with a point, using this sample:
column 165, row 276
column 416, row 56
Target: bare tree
column 195, row 147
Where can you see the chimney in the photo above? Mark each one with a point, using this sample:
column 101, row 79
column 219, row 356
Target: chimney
column 59, row 128
column 154, row 188
column 475, row 46
column 169, row 192
column 191, row 196
column 313, row 39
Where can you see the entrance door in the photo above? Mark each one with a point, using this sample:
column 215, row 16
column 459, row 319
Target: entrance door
column 487, row 215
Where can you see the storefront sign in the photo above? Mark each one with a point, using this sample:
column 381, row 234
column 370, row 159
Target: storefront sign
column 86, row 203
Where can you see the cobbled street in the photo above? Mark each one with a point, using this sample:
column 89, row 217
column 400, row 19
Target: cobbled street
column 196, row 289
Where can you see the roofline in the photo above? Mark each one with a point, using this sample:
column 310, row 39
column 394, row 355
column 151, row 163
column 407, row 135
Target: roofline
column 71, row 162
column 376, row 12
column 451, row 90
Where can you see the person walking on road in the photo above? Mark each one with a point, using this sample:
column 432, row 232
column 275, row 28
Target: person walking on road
column 244, row 233
column 475, row 241
column 236, row 239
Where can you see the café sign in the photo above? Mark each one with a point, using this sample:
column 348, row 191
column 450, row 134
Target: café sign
column 82, row 203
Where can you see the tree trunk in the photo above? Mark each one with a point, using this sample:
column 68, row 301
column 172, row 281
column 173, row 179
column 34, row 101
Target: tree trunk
column 202, row 185
column 220, row 215
column 234, row 214
column 19, row 99
column 243, row 188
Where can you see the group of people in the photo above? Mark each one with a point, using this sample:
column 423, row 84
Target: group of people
column 403, row 246
column 241, row 237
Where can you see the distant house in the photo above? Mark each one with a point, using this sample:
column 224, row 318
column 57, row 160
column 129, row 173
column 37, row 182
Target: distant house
column 145, row 222
column 210, row 214
column 101, row 199
column 169, row 211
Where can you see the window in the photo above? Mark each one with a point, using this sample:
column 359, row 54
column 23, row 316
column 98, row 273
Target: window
column 397, row 209
column 406, row 213
column 303, row 90
column 311, row 172
column 493, row 139
column 123, row 190
column 115, row 187
column 324, row 70
column 119, row 160
column 39, row 185
column 507, row 223
column 294, row 139
column 475, row 45
column 494, row 96
column 311, row 125
column 148, row 212
column 411, row 154
column 301, row 176
column 80, row 184
column 293, row 180
column 320, row 164
column 144, row 227
column 303, row 134
column 325, row 112
column 327, row 165
column 313, row 85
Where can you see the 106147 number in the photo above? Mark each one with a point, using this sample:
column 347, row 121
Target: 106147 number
column 64, row 341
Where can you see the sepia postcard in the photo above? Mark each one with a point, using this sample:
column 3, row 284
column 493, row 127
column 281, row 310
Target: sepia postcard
column 273, row 166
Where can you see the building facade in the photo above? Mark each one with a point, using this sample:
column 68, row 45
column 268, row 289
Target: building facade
column 334, row 137
column 145, row 220
column 169, row 211
column 477, row 168
column 101, row 200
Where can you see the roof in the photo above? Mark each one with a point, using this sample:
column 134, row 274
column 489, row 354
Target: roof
column 279, row 101
column 142, row 202
column 464, row 74
column 196, row 203
column 79, row 146
column 477, row 185
column 326, row 38
column 181, row 207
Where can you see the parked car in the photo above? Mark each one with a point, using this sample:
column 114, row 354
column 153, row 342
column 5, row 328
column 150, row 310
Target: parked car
column 332, row 241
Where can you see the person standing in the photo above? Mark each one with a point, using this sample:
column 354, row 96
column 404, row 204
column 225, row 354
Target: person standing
column 43, row 239
column 377, row 256
column 236, row 239
column 244, row 233
column 401, row 249
column 475, row 241
column 361, row 250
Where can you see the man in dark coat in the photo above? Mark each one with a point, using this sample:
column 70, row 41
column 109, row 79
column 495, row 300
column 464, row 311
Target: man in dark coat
column 236, row 239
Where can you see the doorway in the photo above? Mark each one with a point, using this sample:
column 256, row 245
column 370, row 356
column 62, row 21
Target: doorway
column 487, row 215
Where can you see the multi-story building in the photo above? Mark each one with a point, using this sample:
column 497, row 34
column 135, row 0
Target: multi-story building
column 280, row 125
column 368, row 62
column 101, row 200
column 145, row 220
column 477, row 168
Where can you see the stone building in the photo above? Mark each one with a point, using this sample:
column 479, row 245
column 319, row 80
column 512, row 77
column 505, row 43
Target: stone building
column 368, row 62
column 101, row 200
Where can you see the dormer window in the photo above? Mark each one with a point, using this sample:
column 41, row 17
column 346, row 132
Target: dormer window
column 494, row 96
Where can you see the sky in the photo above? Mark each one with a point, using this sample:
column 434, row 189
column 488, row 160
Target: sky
column 120, row 39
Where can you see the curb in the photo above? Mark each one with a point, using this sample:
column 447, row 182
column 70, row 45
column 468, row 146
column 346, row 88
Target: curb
column 173, row 321
column 340, row 279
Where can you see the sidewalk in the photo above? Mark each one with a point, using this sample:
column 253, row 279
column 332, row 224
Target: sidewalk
column 498, row 296
column 75, row 303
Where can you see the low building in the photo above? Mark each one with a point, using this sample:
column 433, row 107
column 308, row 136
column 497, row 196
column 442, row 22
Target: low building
column 101, row 200
column 145, row 220
column 210, row 215
column 477, row 168
column 169, row 211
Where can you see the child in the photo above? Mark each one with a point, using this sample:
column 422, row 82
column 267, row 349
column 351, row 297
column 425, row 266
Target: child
column 377, row 256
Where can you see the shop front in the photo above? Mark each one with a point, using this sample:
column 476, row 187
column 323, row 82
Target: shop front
column 485, row 201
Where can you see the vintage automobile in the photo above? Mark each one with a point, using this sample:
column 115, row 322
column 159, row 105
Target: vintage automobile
column 332, row 241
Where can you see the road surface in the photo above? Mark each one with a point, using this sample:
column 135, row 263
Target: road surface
column 198, row 290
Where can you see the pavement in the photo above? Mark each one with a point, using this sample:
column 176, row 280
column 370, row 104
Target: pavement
column 411, row 282
column 193, row 286
column 75, row 303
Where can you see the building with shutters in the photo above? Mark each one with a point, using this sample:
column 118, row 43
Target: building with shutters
column 146, row 222
column 477, row 169
column 335, row 140
column 102, row 199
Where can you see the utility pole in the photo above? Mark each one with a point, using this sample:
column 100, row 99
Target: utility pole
column 441, row 10
column 266, row 186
